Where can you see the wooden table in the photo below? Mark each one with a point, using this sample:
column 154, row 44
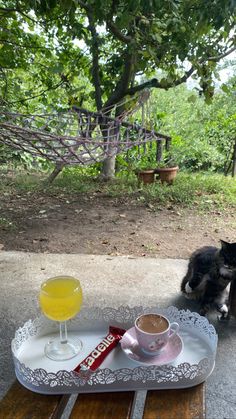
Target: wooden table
column 20, row 403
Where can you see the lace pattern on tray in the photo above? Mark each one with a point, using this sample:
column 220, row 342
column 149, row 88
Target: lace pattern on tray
column 163, row 374
column 123, row 316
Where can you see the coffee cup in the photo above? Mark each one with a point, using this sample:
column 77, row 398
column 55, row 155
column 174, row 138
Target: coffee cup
column 153, row 331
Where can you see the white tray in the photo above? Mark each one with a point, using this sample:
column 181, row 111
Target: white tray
column 117, row 373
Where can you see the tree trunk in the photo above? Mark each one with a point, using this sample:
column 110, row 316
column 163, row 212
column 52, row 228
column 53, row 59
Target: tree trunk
column 108, row 168
column 109, row 164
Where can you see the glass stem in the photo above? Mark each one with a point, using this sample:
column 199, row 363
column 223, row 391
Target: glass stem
column 63, row 332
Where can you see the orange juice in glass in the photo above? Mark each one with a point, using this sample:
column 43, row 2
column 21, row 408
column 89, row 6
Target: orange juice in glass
column 60, row 300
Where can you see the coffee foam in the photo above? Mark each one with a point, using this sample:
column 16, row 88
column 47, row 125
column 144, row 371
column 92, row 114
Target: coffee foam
column 152, row 323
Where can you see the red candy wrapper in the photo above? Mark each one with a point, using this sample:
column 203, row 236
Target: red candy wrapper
column 97, row 356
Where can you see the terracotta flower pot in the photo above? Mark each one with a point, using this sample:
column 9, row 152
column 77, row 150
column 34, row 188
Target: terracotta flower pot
column 167, row 174
column 146, row 176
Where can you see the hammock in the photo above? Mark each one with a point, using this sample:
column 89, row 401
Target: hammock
column 74, row 137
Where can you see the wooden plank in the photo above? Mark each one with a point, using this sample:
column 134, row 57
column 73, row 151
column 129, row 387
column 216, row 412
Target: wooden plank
column 186, row 403
column 103, row 406
column 20, row 403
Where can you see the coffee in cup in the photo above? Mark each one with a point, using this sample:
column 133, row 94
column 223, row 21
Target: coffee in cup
column 153, row 332
column 152, row 323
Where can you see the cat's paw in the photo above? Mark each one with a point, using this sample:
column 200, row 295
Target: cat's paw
column 188, row 289
column 190, row 293
column 223, row 309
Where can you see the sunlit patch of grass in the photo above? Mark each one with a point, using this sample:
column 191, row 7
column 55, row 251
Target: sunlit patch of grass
column 202, row 191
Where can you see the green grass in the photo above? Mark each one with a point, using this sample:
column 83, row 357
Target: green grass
column 203, row 191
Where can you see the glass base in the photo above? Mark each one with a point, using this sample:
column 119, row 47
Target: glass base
column 61, row 351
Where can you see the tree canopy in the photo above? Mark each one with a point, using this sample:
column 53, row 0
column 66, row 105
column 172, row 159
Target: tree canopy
column 115, row 42
column 96, row 52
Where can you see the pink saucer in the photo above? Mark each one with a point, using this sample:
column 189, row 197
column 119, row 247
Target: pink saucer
column 131, row 348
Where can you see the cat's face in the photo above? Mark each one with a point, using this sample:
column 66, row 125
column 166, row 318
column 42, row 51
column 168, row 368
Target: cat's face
column 228, row 251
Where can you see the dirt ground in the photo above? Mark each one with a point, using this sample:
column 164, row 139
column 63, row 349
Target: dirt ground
column 98, row 224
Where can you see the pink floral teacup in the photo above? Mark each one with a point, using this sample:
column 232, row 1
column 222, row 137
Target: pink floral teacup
column 153, row 332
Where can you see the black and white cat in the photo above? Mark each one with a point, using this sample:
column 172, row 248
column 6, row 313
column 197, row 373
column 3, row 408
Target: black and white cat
column 210, row 271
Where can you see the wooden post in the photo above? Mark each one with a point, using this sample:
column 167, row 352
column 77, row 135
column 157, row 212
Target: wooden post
column 58, row 168
column 159, row 150
column 232, row 298
column 234, row 160
column 168, row 141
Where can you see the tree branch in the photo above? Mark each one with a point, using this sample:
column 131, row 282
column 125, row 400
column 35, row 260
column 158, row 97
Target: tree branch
column 113, row 28
column 95, row 53
column 95, row 60
column 155, row 83
column 85, row 6
column 11, row 9
column 39, row 94
column 4, row 41
column 122, row 85
column 119, row 35
column 223, row 55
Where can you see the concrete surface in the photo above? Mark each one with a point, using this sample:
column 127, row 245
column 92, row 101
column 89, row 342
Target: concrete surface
column 110, row 281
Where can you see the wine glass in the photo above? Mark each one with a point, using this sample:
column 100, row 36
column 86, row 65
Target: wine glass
column 61, row 299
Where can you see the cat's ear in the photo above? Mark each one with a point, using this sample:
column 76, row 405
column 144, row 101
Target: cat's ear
column 224, row 244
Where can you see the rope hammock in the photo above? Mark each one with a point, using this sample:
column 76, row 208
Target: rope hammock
column 77, row 136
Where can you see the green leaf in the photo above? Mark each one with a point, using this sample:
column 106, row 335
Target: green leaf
column 225, row 88
column 57, row 69
column 192, row 99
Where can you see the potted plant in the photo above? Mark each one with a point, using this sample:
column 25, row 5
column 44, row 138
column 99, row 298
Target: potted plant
column 167, row 170
column 145, row 170
column 145, row 175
